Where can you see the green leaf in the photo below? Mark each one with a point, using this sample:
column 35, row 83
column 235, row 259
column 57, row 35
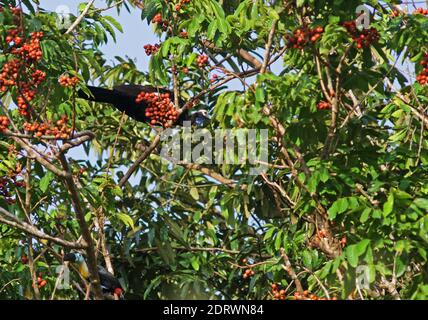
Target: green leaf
column 388, row 205
column 421, row 203
column 339, row 206
column 194, row 193
column 45, row 181
column 195, row 263
column 300, row 3
column 126, row 219
column 365, row 215
column 353, row 252
column 260, row 94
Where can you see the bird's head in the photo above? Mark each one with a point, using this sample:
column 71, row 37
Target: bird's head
column 73, row 257
column 200, row 118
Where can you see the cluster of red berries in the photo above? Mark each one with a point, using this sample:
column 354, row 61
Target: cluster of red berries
column 184, row 34
column 305, row 295
column 26, row 97
column 214, row 78
column 248, row 272
column 323, row 105
column 40, row 282
column 9, row 74
column 9, row 77
column 38, row 77
column 8, row 182
column 421, row 11
column 30, row 50
column 160, row 21
column 4, row 123
column 303, row 36
column 364, row 38
column 67, row 81
column 151, row 49
column 160, row 109
column 422, row 78
column 181, row 4
column 278, row 294
column 21, row 70
column 59, row 131
column 202, row 60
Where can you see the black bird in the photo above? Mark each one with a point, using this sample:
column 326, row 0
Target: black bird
column 109, row 283
column 123, row 98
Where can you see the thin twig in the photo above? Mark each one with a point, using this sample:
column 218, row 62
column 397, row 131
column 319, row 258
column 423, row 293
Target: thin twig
column 80, row 18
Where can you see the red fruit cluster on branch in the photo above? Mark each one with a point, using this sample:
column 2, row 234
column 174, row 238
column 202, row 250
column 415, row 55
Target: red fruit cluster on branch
column 160, row 109
column 30, row 50
column 248, row 273
column 9, row 74
column 306, row 295
column 365, row 37
column 214, row 78
column 278, row 294
column 302, row 36
column 38, row 77
column 8, row 182
column 40, row 282
column 422, row 78
column 182, row 3
column 4, row 123
column 67, row 81
column 421, row 11
column 21, row 70
column 323, row 105
column 151, row 49
column 159, row 20
column 202, row 60
column 59, row 131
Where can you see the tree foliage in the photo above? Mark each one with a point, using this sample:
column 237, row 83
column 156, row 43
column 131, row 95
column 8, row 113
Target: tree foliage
column 345, row 195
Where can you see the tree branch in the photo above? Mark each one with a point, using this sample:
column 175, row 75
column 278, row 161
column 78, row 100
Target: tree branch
column 86, row 234
column 14, row 222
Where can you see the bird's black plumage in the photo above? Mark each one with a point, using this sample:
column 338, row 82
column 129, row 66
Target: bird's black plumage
column 123, row 98
column 109, row 283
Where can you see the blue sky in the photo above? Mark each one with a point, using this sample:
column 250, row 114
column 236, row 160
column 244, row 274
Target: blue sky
column 136, row 33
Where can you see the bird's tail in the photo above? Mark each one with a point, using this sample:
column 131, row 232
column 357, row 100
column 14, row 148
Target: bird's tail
column 100, row 95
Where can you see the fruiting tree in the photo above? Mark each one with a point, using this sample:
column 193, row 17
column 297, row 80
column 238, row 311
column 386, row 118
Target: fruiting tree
column 340, row 213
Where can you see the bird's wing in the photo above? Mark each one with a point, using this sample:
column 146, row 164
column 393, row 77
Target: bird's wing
column 134, row 90
column 103, row 95
column 108, row 281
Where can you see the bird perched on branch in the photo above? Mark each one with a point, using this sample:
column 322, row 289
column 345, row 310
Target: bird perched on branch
column 146, row 103
column 109, row 283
